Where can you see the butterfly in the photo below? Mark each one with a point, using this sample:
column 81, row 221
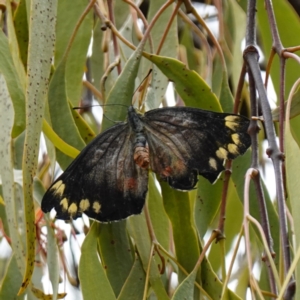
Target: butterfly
column 108, row 181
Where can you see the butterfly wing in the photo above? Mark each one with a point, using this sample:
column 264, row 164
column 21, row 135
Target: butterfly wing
column 184, row 142
column 103, row 181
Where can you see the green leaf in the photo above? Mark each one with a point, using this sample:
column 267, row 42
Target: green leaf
column 14, row 85
column 7, row 175
column 157, row 213
column 123, row 89
column 186, row 289
column 186, row 40
column 292, row 159
column 84, row 129
column 236, row 21
column 40, row 53
column 138, row 230
column 211, row 267
column 133, row 288
column 180, row 211
column 76, row 61
column 217, row 78
column 239, row 169
column 212, row 284
column 295, row 107
column 61, row 117
column 115, row 253
column 226, row 98
column 21, row 27
column 11, row 282
column 14, row 46
column 283, row 12
column 188, row 84
column 67, row 17
column 96, row 61
column 159, row 81
column 52, row 257
column 91, row 273
column 207, row 203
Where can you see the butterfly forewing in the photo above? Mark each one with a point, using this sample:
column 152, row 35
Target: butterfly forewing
column 184, row 142
column 103, row 181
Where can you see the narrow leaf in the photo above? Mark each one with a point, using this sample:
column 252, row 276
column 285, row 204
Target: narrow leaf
column 91, row 273
column 115, row 253
column 186, row 289
column 133, row 288
column 6, row 172
column 138, row 230
column 61, row 117
column 13, row 84
column 189, row 85
column 292, row 154
column 11, row 281
column 52, row 258
column 178, row 207
column 41, row 49
column 123, row 89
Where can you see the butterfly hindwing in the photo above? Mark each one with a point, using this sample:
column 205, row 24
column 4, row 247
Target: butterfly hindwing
column 184, row 142
column 103, row 181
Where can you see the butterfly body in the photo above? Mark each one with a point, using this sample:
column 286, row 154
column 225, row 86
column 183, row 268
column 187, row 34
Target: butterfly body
column 108, row 180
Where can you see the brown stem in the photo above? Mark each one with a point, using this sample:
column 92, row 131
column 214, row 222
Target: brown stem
column 114, row 38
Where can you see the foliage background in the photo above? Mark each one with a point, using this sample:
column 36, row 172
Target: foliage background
column 43, row 50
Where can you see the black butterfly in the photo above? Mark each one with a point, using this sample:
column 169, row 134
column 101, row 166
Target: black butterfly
column 108, row 181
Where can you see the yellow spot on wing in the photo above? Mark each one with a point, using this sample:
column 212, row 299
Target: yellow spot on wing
column 72, row 209
column 58, row 188
column 232, row 125
column 84, row 204
column 96, row 207
column 231, row 118
column 236, row 138
column 213, row 163
column 222, row 153
column 64, row 203
column 56, row 184
column 233, row 149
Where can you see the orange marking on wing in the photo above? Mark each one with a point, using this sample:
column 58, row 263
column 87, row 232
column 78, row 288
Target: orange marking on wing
column 180, row 166
column 167, row 171
column 130, row 183
column 176, row 167
column 141, row 156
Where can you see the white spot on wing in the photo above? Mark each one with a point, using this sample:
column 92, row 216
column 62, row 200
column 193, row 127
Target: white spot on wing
column 84, row 204
column 236, row 138
column 64, row 203
column 233, row 149
column 232, row 125
column 58, row 188
column 213, row 163
column 72, row 209
column 96, row 207
column 231, row 118
column 222, row 153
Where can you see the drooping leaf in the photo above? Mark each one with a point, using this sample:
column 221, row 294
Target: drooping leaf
column 91, row 273
column 188, row 84
column 292, row 152
column 41, row 48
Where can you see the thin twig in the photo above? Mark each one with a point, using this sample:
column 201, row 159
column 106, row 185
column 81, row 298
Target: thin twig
column 275, row 154
column 114, row 38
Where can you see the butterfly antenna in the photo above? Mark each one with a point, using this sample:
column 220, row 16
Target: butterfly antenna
column 104, row 115
column 109, row 119
column 150, row 71
column 96, row 105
